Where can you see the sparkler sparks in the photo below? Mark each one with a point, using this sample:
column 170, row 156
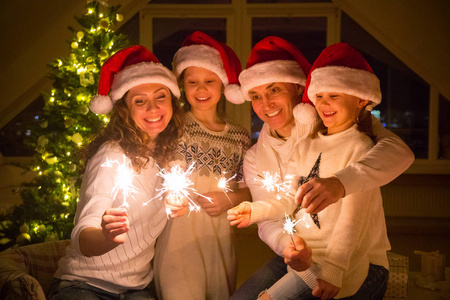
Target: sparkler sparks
column 223, row 184
column 177, row 186
column 273, row 183
column 123, row 181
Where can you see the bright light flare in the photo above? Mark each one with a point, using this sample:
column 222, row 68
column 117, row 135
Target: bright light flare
column 222, row 183
column 123, row 181
column 273, row 183
column 177, row 186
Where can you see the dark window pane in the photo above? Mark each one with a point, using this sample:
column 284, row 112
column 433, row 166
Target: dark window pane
column 169, row 33
column 308, row 34
column 131, row 30
column 288, row 1
column 19, row 128
column 444, row 128
column 404, row 108
column 190, row 2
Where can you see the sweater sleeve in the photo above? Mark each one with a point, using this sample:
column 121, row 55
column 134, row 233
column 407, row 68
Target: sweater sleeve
column 389, row 158
column 270, row 231
column 96, row 193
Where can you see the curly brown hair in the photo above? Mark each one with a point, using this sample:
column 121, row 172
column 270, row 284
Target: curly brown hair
column 134, row 141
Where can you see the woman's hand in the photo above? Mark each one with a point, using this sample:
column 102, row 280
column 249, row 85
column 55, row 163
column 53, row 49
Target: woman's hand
column 240, row 215
column 115, row 225
column 325, row 290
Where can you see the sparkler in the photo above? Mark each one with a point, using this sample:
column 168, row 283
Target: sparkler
column 273, row 183
column 289, row 227
column 177, row 186
column 223, row 184
column 123, row 181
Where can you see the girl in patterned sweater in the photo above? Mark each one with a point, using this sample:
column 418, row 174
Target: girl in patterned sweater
column 195, row 253
column 350, row 235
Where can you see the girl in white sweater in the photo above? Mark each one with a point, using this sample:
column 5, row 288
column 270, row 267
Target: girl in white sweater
column 350, row 235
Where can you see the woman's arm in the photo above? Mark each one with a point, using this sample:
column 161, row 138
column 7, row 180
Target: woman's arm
column 95, row 241
column 388, row 159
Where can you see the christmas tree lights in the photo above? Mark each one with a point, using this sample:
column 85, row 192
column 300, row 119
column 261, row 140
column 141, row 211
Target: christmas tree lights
column 65, row 126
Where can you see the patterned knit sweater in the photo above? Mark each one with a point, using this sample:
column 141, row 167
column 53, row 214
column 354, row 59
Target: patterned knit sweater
column 195, row 256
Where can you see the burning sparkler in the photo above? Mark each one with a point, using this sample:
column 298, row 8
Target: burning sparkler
column 289, row 227
column 123, row 180
column 273, row 183
column 177, row 186
column 223, row 184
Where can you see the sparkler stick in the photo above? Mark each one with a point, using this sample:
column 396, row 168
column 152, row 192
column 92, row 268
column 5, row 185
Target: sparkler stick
column 177, row 186
column 123, row 180
column 223, row 184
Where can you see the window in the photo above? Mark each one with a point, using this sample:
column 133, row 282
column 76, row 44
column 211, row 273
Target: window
column 404, row 107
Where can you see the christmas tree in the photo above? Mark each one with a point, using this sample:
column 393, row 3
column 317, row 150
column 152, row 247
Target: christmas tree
column 65, row 126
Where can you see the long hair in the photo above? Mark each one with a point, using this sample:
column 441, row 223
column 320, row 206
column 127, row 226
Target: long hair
column 122, row 130
column 363, row 121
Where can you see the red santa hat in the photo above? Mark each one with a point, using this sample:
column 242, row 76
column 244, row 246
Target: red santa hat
column 201, row 50
column 126, row 69
column 342, row 69
column 273, row 59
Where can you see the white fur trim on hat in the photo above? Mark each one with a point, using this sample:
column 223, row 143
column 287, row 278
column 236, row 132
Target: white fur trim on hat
column 271, row 71
column 141, row 73
column 101, row 104
column 355, row 82
column 202, row 56
column 305, row 113
column 233, row 94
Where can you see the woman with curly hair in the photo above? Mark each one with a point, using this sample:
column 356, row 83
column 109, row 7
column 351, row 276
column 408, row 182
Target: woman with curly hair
column 116, row 224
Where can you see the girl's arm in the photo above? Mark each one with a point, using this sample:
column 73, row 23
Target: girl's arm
column 389, row 158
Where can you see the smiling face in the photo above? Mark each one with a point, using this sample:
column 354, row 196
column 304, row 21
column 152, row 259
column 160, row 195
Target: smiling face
column 274, row 104
column 338, row 111
column 150, row 107
column 203, row 89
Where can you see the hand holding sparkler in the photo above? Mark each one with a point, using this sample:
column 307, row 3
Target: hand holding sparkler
column 297, row 254
column 240, row 215
column 115, row 225
column 176, row 208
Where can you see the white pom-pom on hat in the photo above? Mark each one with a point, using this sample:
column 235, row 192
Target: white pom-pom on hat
column 233, row 94
column 101, row 104
column 305, row 113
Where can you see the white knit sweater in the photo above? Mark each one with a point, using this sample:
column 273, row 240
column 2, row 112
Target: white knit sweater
column 127, row 266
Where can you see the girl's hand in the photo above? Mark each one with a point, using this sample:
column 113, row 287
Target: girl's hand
column 115, row 225
column 240, row 215
column 325, row 290
column 218, row 205
column 299, row 257
column 176, row 209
